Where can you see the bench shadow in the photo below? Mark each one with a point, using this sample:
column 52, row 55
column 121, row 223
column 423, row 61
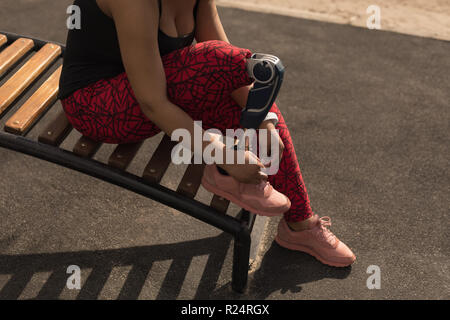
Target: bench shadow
column 101, row 262
column 280, row 270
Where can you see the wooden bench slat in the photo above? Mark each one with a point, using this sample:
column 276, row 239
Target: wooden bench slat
column 38, row 103
column 27, row 74
column 220, row 204
column 13, row 53
column 123, row 155
column 160, row 161
column 57, row 130
column 191, row 180
column 3, row 39
column 86, row 147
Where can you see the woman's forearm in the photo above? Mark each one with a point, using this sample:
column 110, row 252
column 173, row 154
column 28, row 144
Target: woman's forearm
column 169, row 117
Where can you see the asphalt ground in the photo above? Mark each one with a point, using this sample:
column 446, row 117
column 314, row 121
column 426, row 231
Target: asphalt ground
column 369, row 115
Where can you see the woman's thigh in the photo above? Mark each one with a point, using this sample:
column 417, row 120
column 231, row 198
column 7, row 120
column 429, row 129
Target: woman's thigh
column 107, row 111
column 200, row 79
column 202, row 76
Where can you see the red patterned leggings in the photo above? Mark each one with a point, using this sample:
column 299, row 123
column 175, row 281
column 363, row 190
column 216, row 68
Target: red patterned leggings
column 200, row 79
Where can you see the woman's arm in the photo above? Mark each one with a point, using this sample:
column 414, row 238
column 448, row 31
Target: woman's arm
column 137, row 29
column 209, row 26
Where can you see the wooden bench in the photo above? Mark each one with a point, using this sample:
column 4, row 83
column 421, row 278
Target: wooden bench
column 15, row 49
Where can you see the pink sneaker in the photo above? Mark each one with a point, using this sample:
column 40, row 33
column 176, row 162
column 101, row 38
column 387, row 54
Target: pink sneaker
column 317, row 241
column 261, row 199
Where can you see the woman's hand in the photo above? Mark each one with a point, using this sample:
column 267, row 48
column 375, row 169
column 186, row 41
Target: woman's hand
column 250, row 172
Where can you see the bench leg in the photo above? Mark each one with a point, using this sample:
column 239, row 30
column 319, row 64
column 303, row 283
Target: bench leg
column 241, row 256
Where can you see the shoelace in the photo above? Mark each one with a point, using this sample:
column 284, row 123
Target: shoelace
column 324, row 232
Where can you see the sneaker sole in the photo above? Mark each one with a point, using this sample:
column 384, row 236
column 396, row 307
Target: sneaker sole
column 233, row 199
column 298, row 247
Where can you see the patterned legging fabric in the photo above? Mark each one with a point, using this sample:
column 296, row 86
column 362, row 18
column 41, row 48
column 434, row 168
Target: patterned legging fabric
column 200, row 79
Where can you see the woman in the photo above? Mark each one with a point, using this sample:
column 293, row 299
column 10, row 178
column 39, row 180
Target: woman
column 132, row 71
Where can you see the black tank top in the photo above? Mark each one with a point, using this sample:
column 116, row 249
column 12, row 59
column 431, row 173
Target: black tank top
column 93, row 53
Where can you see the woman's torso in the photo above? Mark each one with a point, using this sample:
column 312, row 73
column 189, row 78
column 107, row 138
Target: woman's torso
column 93, row 53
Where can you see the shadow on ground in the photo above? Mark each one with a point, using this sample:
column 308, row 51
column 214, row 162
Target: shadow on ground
column 284, row 271
column 102, row 262
column 289, row 276
column 292, row 270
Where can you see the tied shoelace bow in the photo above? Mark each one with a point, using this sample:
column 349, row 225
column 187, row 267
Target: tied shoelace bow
column 324, row 233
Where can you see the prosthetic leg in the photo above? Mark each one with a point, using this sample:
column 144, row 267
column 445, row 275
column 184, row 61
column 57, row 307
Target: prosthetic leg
column 268, row 72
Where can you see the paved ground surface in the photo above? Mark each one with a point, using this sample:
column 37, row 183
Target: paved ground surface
column 369, row 112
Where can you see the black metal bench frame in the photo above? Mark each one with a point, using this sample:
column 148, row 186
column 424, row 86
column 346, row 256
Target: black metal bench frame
column 240, row 227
